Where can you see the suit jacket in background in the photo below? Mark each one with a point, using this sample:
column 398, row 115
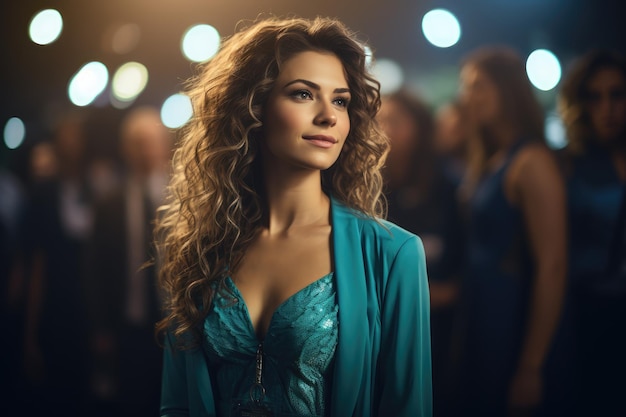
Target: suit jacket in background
column 110, row 272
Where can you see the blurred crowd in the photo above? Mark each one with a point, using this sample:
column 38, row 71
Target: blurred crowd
column 525, row 246
column 79, row 293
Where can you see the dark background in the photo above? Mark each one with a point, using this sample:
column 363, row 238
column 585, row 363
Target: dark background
column 35, row 78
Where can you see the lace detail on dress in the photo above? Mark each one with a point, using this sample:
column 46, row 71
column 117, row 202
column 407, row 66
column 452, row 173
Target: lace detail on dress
column 298, row 350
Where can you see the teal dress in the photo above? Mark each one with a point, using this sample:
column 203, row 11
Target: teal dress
column 381, row 365
column 297, row 352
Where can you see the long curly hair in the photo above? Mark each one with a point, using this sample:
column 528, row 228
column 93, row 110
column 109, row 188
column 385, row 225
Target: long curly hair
column 215, row 204
column 573, row 97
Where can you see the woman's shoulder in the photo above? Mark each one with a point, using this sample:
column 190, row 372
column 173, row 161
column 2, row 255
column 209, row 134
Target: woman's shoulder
column 534, row 159
column 534, row 152
column 386, row 229
column 388, row 236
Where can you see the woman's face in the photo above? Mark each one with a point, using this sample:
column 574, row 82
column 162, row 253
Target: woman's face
column 449, row 130
column 606, row 103
column 399, row 126
column 480, row 94
column 306, row 120
column 146, row 145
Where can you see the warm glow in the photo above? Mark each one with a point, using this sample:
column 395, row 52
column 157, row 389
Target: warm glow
column 129, row 81
column 125, row 38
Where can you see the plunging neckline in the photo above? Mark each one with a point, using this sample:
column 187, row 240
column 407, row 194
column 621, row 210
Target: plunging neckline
column 240, row 299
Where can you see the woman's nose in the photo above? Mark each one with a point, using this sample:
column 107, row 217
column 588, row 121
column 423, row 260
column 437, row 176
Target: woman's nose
column 326, row 116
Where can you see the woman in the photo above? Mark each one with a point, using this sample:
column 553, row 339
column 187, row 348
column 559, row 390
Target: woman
column 515, row 280
column 285, row 294
column 422, row 199
column 451, row 139
column 593, row 106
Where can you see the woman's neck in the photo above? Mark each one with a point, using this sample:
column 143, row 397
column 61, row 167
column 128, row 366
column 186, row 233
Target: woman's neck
column 501, row 135
column 295, row 199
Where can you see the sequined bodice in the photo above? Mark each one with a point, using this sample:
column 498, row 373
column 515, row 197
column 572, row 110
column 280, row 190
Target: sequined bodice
column 298, row 350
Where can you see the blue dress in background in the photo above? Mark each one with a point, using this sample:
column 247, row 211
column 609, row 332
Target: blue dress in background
column 595, row 195
column 495, row 295
column 298, row 351
column 596, row 200
column 496, row 299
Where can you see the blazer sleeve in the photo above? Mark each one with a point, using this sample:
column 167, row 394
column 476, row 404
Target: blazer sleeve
column 174, row 398
column 404, row 364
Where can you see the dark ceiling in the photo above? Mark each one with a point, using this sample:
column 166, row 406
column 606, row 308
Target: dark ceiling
column 35, row 78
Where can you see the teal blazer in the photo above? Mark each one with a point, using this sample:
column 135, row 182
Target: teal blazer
column 382, row 361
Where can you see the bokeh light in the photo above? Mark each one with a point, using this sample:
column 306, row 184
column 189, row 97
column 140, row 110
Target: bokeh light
column 556, row 136
column 14, row 133
column 389, row 74
column 441, row 28
column 200, row 43
column 176, row 111
column 369, row 56
column 543, row 69
column 87, row 84
column 125, row 38
column 45, row 27
column 129, row 81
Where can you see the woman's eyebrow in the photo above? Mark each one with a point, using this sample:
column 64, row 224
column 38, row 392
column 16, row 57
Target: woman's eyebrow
column 315, row 86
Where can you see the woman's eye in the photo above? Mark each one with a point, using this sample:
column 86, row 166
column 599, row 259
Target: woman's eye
column 342, row 102
column 302, row 95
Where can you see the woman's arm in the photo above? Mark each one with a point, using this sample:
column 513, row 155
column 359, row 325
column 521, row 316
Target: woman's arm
column 404, row 382
column 540, row 194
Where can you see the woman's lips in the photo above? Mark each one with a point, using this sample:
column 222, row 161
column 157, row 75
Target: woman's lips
column 322, row 141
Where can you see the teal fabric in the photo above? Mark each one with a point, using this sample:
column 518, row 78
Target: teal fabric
column 297, row 351
column 382, row 361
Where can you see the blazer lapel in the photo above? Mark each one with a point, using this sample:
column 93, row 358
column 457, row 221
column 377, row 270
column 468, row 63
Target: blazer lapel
column 352, row 300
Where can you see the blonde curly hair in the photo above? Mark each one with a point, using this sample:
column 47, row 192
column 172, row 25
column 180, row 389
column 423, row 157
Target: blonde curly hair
column 215, row 202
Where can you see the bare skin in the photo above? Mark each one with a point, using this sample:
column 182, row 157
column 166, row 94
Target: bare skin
column 294, row 248
column 534, row 185
column 285, row 258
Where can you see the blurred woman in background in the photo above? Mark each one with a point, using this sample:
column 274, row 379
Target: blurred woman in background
column 515, row 281
column 451, row 139
column 593, row 106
